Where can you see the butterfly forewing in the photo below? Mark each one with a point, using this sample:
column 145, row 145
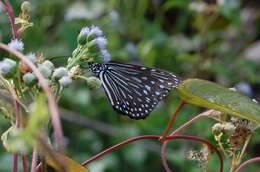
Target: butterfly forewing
column 135, row 90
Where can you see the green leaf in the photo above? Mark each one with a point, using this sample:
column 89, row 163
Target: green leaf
column 211, row 95
column 22, row 139
column 39, row 116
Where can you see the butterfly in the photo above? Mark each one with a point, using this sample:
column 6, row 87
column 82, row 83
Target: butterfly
column 134, row 90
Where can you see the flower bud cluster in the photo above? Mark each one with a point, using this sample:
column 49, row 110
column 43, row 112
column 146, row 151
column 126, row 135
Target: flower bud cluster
column 8, row 68
column 61, row 74
column 226, row 128
column 96, row 43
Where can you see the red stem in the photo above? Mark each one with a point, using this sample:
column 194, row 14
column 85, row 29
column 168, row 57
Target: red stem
column 185, row 125
column 56, row 123
column 17, row 125
column 34, row 160
column 10, row 11
column 246, row 163
column 24, row 161
column 117, row 146
column 39, row 167
column 169, row 125
column 15, row 162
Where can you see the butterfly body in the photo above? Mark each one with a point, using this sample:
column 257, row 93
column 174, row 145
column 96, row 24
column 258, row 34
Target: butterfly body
column 134, row 90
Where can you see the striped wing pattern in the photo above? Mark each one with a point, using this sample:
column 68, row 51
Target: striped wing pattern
column 135, row 90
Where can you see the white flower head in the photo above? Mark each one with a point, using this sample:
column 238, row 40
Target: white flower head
column 6, row 66
column 96, row 31
column 16, row 44
column 32, row 57
column 9, row 62
column 106, row 55
column 84, row 31
column 101, row 42
column 65, row 81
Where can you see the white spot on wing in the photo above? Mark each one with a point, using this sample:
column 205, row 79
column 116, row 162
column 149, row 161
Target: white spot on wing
column 148, row 87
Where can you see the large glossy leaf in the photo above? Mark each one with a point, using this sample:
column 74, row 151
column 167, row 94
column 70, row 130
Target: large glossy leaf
column 211, row 95
column 71, row 165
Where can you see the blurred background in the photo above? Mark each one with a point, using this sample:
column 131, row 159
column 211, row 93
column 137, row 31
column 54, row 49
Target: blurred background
column 217, row 40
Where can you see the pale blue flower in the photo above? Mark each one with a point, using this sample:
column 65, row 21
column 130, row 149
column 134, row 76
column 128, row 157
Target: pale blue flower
column 96, row 31
column 101, row 42
column 32, row 57
column 7, row 66
column 16, row 44
column 84, row 31
column 106, row 56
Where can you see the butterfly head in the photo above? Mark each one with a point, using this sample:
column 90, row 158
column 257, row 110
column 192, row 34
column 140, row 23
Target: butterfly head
column 96, row 68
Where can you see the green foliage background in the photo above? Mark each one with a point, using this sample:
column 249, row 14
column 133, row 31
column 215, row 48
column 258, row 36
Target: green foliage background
column 219, row 43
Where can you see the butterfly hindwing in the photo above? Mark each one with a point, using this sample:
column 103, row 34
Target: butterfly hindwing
column 135, row 90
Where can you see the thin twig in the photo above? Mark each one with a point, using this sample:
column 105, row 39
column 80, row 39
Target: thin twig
column 56, row 123
column 246, row 163
column 10, row 11
column 17, row 125
column 244, row 148
column 169, row 125
column 11, row 17
column 34, row 160
column 24, row 161
column 192, row 138
column 15, row 162
column 185, row 125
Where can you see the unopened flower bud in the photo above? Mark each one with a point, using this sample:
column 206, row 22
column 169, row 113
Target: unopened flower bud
column 217, row 129
column 29, row 79
column 26, row 6
column 65, row 81
column 60, row 72
column 93, row 83
column 48, row 64
column 82, row 37
column 7, row 68
column 46, row 72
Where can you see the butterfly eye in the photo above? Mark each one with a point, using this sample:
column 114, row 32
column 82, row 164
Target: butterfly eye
column 134, row 90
